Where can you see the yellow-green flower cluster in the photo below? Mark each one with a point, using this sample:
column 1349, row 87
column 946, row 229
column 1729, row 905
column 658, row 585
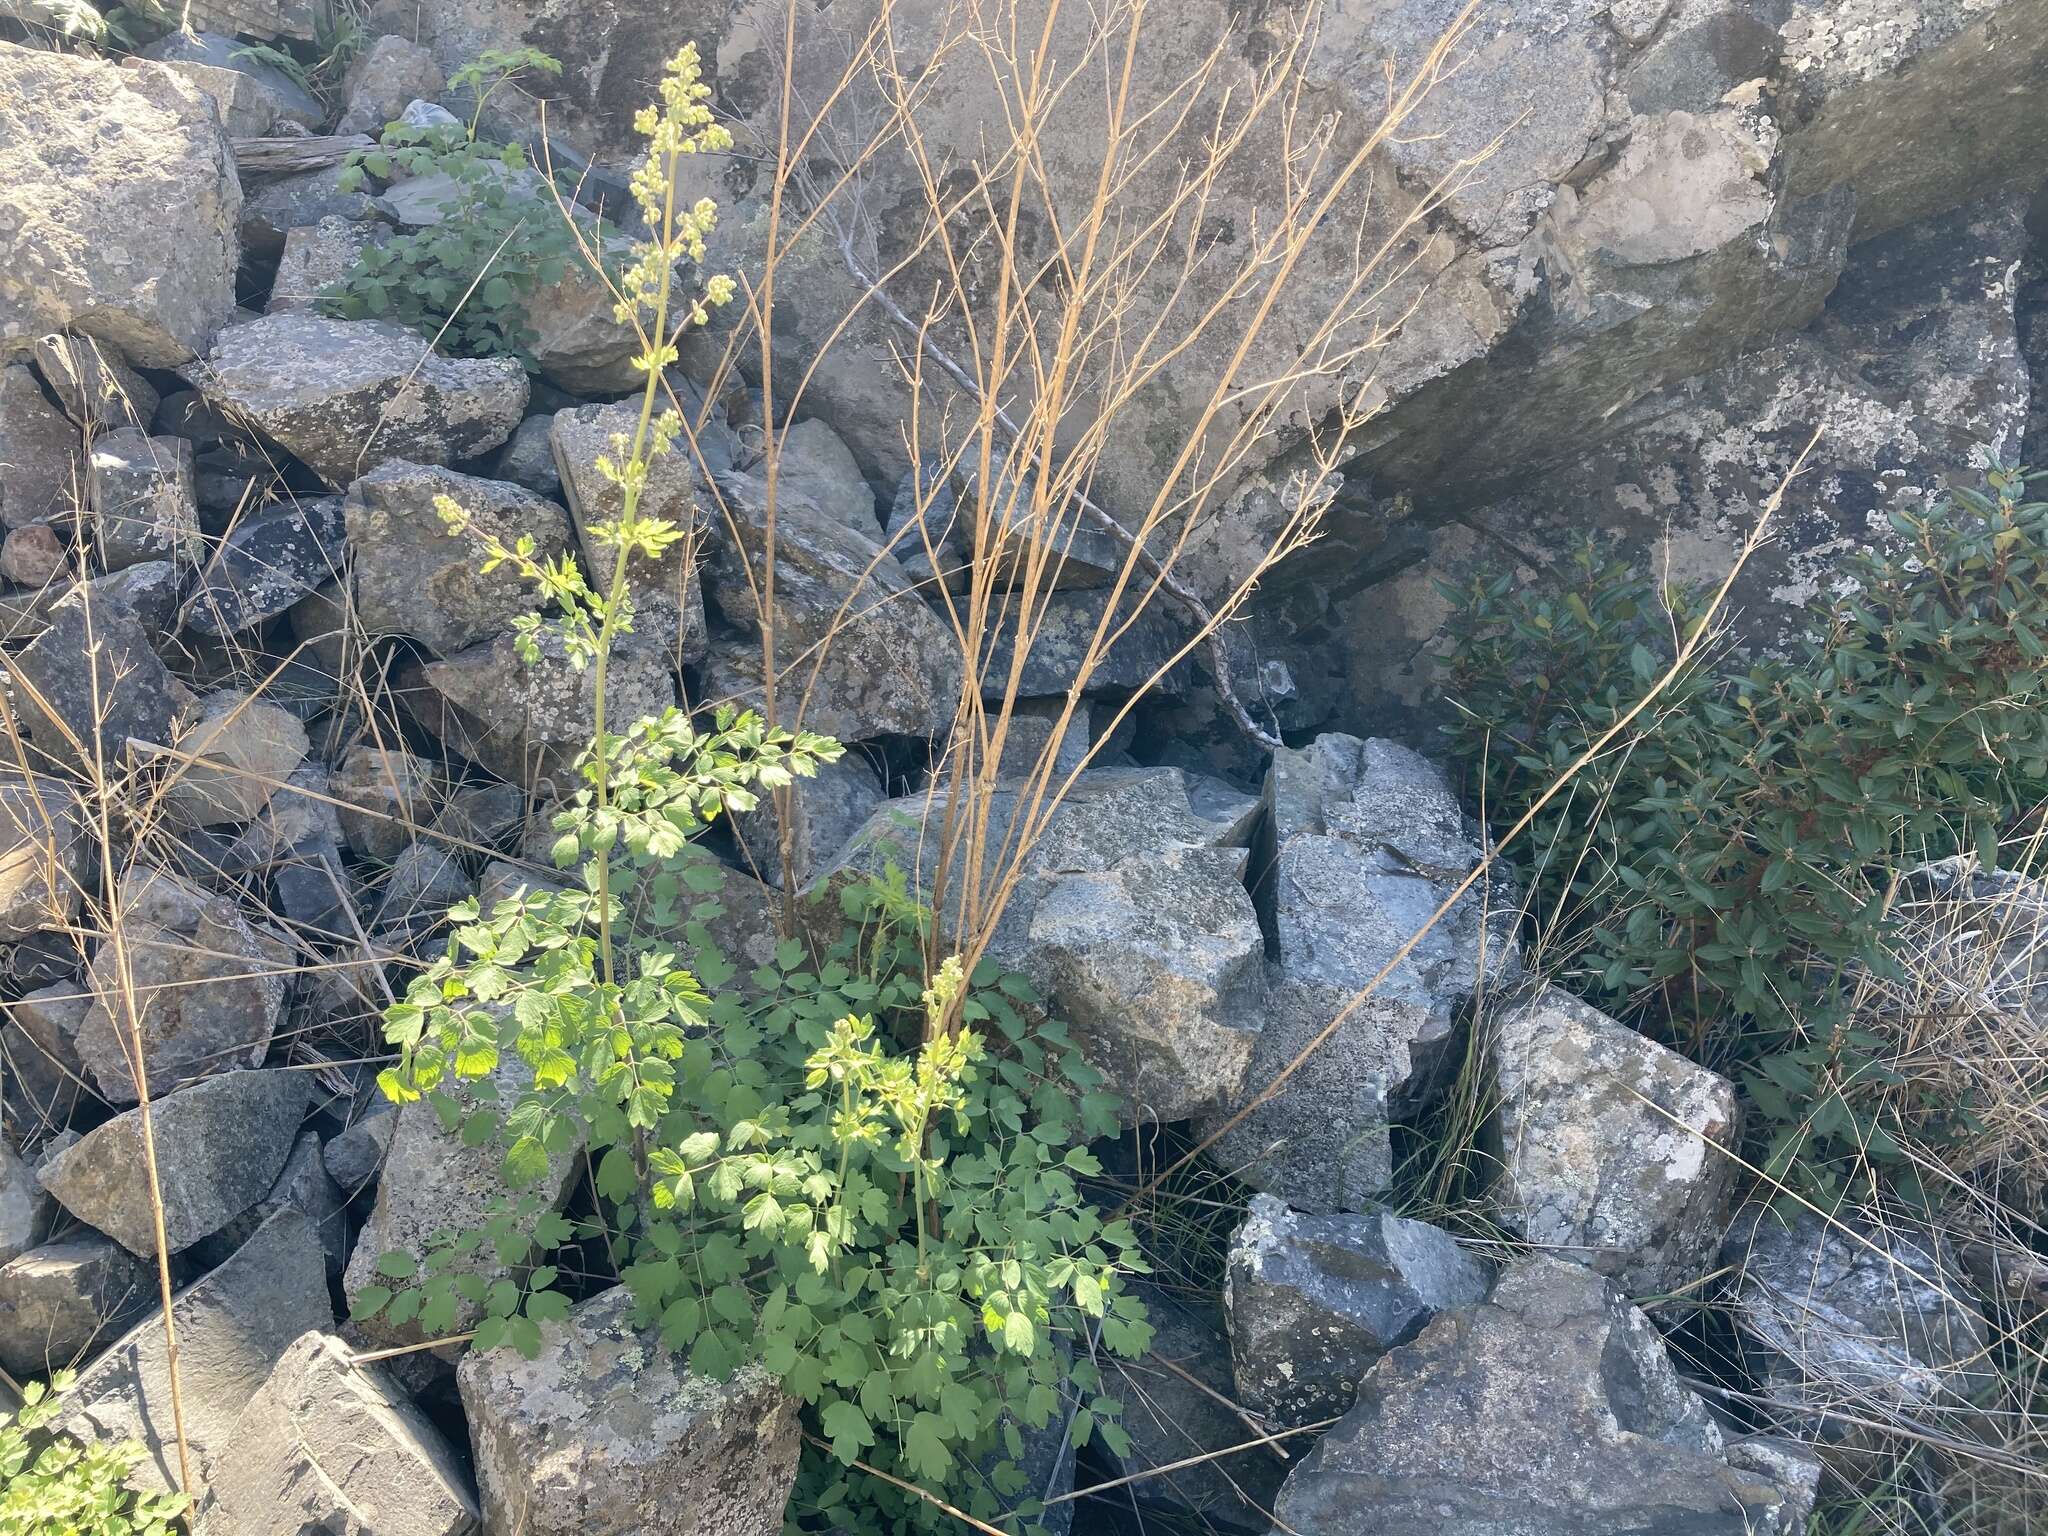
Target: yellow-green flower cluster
column 681, row 126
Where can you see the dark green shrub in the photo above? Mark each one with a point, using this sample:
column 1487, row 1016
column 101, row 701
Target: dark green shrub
column 1722, row 874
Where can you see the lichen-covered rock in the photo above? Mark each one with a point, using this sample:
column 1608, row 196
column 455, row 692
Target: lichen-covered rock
column 208, row 988
column 609, row 1432
column 1143, row 638
column 1551, row 1409
column 242, row 750
column 424, row 881
column 118, row 215
column 527, row 722
column 144, row 503
column 56, row 1301
column 1157, row 966
column 434, row 1183
column 272, row 209
column 1878, row 1313
column 854, row 641
column 319, row 257
column 220, row 1146
column 233, row 1327
column 528, row 458
column 1367, row 841
column 1313, row 1301
column 42, row 854
column 267, row 562
column 348, row 395
column 824, row 810
column 43, row 1079
column 1613, row 1150
column 356, row 1152
column 331, row 1444
column 415, row 577
column 96, row 678
column 41, row 451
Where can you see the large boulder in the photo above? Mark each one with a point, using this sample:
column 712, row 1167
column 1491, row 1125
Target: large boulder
column 1875, row 1313
column 1551, row 1409
column 1367, row 840
column 328, row 1443
column 207, row 988
column 1313, row 1301
column 233, row 1326
column 1613, row 1150
column 610, row 1431
column 415, row 576
column 220, row 1146
column 119, row 213
column 347, row 395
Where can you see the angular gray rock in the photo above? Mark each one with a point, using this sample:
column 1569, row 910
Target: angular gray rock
column 220, row 1146
column 288, row 101
column 815, row 462
column 1551, row 1409
column 24, row 1211
column 851, row 632
column 385, row 76
column 433, row 1183
column 92, row 384
column 233, row 1327
column 424, row 881
column 41, row 451
column 303, row 1186
column 1143, row 639
column 119, row 213
column 1876, row 1314
column 272, row 209
column 354, row 1154
column 316, row 258
column 242, row 748
column 43, row 853
column 144, row 504
column 267, row 562
column 1157, row 967
column 1614, row 1151
column 44, row 1079
column 824, row 811
column 1366, row 841
column 348, row 395
column 415, row 577
column 33, row 556
column 609, row 1431
column 92, row 681
column 330, row 1445
column 387, row 797
column 528, row 458
column 1313, row 1301
column 208, row 987
column 58, row 1300
column 529, row 722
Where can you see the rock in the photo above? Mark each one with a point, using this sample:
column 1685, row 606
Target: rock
column 608, row 1430
column 328, row 1444
column 423, row 883
column 40, row 449
column 238, row 751
column 1551, row 1409
column 118, row 221
column 482, row 815
column 272, row 209
column 1147, row 637
column 144, row 503
column 385, row 76
column 356, row 1152
column 33, row 556
column 220, row 1145
column 415, row 577
column 97, row 682
column 667, row 594
column 1031, row 727
column 348, row 395
column 434, row 1183
column 825, row 811
column 303, row 1186
column 1070, row 548
column 208, row 987
column 1171, row 1420
column 44, row 1078
column 267, row 562
column 56, row 1301
column 527, row 722
column 1156, row 965
column 96, row 389
column 890, row 667
column 43, row 854
column 1313, row 1301
column 247, row 111
column 578, row 343
column 387, row 797
column 267, row 19
column 927, row 535
column 318, row 258
column 815, row 462
column 1233, row 813
column 1878, row 1314
column 24, row 1215
column 236, row 1323
column 1614, row 1151
column 1367, row 841
column 528, row 458
column 286, row 99
column 148, row 592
